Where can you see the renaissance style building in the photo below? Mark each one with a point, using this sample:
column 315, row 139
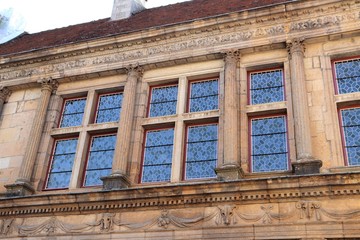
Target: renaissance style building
column 207, row 119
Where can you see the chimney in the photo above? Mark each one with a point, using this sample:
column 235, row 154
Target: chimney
column 125, row 8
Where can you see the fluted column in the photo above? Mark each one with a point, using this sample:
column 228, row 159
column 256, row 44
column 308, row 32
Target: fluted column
column 4, row 94
column 305, row 163
column 119, row 176
column 23, row 185
column 230, row 169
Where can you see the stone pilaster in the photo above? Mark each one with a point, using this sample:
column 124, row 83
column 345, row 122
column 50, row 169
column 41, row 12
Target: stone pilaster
column 119, row 176
column 305, row 163
column 22, row 185
column 4, row 94
column 230, row 169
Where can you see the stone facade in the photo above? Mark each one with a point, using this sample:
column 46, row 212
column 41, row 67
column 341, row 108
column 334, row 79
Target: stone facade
column 316, row 197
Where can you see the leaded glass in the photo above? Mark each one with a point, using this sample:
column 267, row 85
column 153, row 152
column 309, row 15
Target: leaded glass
column 62, row 163
column 204, row 95
column 201, row 151
column 158, row 155
column 73, row 112
column 266, row 87
column 100, row 159
column 351, row 129
column 109, row 108
column 348, row 76
column 163, row 101
column 269, row 151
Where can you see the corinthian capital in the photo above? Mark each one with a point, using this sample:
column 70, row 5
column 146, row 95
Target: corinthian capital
column 4, row 93
column 295, row 46
column 134, row 70
column 48, row 84
column 231, row 56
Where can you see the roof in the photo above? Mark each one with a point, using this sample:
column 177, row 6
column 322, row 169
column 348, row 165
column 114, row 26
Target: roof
column 154, row 17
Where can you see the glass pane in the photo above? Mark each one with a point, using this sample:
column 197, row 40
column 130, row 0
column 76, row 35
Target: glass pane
column 109, row 108
column 163, row 101
column 266, row 87
column 351, row 130
column 62, row 163
column 100, row 159
column 158, row 155
column 201, row 151
column 73, row 112
column 269, row 150
column 204, row 95
column 347, row 76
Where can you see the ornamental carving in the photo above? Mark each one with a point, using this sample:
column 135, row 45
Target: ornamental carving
column 4, row 93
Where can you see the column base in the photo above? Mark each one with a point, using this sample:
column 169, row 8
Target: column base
column 229, row 172
column 306, row 166
column 19, row 189
column 116, row 181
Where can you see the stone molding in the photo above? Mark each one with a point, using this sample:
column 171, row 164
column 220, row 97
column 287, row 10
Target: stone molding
column 224, row 215
column 278, row 27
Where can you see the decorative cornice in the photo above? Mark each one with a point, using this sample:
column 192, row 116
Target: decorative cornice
column 279, row 27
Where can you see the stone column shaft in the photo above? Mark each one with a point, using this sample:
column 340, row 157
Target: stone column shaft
column 230, row 169
column 4, row 94
column 22, row 185
column 301, row 108
column 118, row 178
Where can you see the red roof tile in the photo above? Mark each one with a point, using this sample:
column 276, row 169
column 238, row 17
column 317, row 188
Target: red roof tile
column 171, row 14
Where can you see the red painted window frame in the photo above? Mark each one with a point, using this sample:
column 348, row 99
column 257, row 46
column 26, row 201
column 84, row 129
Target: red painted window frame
column 51, row 158
column 346, row 161
column 88, row 155
column 183, row 174
column 63, row 109
column 143, row 154
column 250, row 142
column 333, row 62
column 259, row 71
column 98, row 103
column 150, row 95
column 200, row 80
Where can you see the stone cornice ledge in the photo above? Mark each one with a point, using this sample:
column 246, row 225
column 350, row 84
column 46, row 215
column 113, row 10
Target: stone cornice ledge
column 262, row 190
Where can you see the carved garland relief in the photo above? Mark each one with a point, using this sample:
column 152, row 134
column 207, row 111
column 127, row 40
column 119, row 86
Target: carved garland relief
column 204, row 39
column 224, row 215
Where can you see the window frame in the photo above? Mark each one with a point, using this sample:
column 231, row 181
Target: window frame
column 150, row 96
column 265, row 70
column 94, row 118
column 63, row 109
column 250, row 156
column 334, row 76
column 188, row 93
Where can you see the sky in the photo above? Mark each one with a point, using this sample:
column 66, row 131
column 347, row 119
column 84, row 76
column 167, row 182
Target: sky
column 40, row 15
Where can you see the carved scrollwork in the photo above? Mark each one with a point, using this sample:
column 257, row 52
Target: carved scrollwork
column 48, row 84
column 134, row 70
column 295, row 46
column 309, row 210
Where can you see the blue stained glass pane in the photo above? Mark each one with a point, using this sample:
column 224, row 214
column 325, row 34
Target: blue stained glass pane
column 348, row 76
column 201, row 151
column 163, row 101
column 73, row 112
column 158, row 155
column 204, row 96
column 269, row 150
column 109, row 108
column 351, row 130
column 267, row 87
column 62, row 163
column 100, row 159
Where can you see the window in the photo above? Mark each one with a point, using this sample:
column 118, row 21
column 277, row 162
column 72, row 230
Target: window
column 184, row 144
column 350, row 125
column 158, row 155
column 100, row 157
column 268, row 144
column 73, row 111
column 204, row 95
column 266, row 86
column 347, row 76
column 163, row 101
column 62, row 160
column 201, row 151
column 109, row 108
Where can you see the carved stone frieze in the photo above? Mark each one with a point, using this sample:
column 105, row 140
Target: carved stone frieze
column 278, row 25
